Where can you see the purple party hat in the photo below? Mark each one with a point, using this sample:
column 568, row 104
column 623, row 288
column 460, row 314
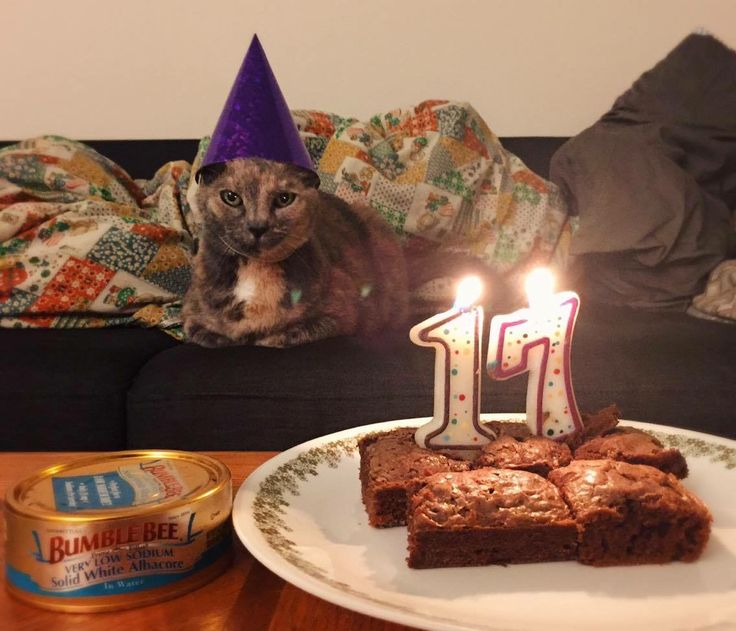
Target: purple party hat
column 256, row 122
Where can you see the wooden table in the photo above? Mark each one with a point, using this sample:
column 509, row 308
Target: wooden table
column 247, row 596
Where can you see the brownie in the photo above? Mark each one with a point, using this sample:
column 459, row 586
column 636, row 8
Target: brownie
column 636, row 447
column 593, row 425
column 631, row 514
column 488, row 516
column 391, row 463
column 515, row 429
column 534, row 453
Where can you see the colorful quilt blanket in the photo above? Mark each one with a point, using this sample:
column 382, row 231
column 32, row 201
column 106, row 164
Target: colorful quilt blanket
column 437, row 172
column 84, row 245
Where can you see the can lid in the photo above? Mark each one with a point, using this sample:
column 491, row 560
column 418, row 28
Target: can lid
column 118, row 485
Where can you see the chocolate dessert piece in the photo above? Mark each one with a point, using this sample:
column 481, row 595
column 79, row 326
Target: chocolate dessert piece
column 488, row 516
column 636, row 447
column 601, row 421
column 534, row 453
column 630, row 514
column 391, row 463
column 515, row 429
column 594, row 425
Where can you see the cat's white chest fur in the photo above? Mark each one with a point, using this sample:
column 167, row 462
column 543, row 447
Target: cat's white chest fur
column 261, row 287
column 245, row 289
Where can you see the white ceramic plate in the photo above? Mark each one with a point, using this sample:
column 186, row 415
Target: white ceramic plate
column 301, row 515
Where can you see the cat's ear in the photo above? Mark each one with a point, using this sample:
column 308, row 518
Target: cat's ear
column 209, row 173
column 309, row 178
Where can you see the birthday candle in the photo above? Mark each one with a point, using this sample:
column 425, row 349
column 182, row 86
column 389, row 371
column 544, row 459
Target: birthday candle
column 538, row 341
column 456, row 336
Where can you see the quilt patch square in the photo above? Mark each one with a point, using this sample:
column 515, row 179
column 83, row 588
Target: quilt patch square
column 397, row 196
column 15, row 302
column 439, row 162
column 358, row 175
column 126, row 292
column 40, row 269
column 74, row 287
column 334, row 155
column 176, row 280
column 452, row 120
column 349, row 193
column 123, row 251
column 433, row 211
column 170, row 256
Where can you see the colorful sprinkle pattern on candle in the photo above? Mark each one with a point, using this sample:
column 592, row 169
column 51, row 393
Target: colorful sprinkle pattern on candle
column 538, row 342
column 457, row 379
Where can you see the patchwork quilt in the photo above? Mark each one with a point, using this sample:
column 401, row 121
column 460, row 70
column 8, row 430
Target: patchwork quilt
column 84, row 245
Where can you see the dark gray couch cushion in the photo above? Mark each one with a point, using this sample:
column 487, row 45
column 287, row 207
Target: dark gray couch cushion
column 661, row 367
column 253, row 398
column 65, row 389
column 257, row 398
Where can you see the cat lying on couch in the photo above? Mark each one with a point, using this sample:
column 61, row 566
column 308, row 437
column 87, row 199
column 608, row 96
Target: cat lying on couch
column 281, row 263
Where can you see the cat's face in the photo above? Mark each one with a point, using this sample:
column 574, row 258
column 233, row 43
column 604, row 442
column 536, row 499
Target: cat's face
column 257, row 208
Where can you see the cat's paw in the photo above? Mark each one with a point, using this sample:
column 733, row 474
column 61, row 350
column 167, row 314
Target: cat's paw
column 204, row 337
column 278, row 340
column 303, row 333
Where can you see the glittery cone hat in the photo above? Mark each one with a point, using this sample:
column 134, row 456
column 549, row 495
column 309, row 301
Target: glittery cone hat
column 256, row 122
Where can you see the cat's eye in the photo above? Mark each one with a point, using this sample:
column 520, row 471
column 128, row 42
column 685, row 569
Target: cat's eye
column 283, row 199
column 231, row 198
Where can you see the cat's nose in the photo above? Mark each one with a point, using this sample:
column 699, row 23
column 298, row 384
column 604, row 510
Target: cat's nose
column 258, row 231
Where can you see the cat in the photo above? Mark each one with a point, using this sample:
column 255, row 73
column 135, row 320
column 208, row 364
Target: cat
column 281, row 263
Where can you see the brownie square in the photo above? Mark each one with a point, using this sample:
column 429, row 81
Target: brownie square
column 593, row 425
column 630, row 514
column 515, row 429
column 636, row 447
column 391, row 463
column 600, row 422
column 488, row 516
column 536, row 454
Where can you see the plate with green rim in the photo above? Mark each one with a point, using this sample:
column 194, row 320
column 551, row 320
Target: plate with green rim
column 301, row 515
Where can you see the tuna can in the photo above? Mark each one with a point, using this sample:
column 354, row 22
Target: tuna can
column 118, row 530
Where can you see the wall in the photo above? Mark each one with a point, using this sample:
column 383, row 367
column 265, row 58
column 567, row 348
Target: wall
column 162, row 68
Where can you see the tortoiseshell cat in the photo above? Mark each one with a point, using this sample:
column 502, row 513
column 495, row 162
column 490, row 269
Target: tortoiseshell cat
column 281, row 263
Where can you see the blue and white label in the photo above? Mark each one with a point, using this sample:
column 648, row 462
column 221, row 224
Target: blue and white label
column 149, row 482
column 92, row 492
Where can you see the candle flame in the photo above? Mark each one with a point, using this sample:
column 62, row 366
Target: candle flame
column 540, row 285
column 469, row 290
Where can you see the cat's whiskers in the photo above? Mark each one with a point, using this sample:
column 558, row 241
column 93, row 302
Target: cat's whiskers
column 230, row 247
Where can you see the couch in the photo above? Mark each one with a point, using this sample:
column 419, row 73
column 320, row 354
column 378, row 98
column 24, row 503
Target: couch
column 139, row 388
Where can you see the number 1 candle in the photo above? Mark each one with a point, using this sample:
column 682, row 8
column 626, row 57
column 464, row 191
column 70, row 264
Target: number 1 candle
column 537, row 340
column 456, row 336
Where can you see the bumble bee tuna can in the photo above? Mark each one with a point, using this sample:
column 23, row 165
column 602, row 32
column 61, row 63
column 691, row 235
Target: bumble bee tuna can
column 121, row 530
